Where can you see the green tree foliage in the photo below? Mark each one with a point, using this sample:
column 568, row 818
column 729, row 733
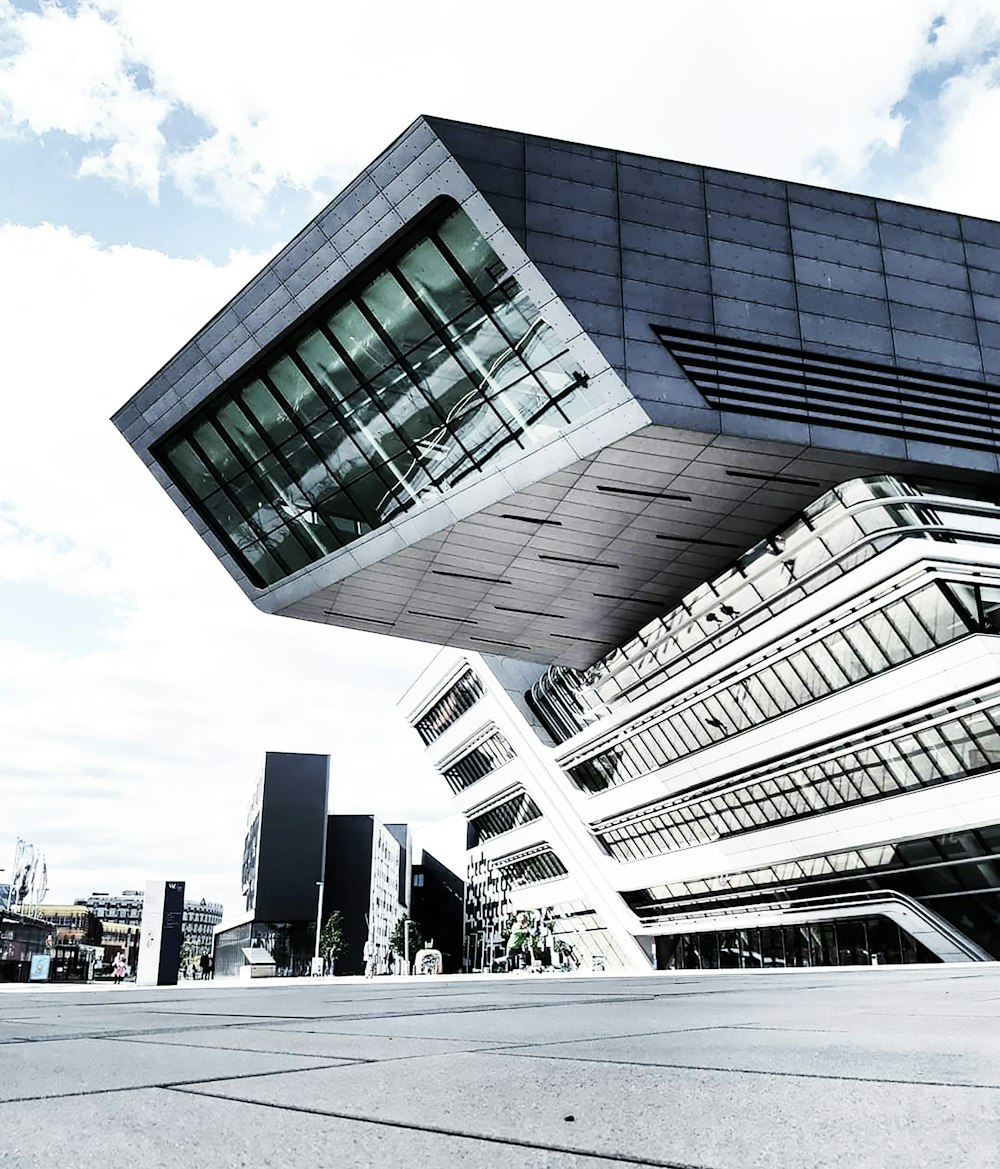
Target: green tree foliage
column 189, row 952
column 331, row 937
column 397, row 941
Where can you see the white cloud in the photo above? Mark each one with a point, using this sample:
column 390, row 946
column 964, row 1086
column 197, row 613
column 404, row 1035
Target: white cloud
column 964, row 172
column 140, row 756
column 70, row 72
column 302, row 95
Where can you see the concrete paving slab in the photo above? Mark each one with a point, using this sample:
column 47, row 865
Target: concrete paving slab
column 677, row 1116
column 153, row 1129
column 312, row 1039
column 67, row 1066
column 514, row 1024
column 794, row 1034
column 911, row 1056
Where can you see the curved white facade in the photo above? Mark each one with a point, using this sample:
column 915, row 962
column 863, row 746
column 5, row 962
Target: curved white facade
column 798, row 765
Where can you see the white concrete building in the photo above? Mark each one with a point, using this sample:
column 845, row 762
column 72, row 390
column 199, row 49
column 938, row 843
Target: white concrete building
column 797, row 765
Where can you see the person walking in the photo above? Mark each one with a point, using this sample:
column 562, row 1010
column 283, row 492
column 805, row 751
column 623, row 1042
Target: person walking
column 118, row 969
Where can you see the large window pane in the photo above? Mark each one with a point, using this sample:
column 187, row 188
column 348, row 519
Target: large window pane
column 326, row 365
column 849, row 661
column 219, row 455
column 241, row 431
column 429, row 368
column 435, row 283
column 192, row 470
column 887, row 638
column 473, row 254
column 939, row 613
column 396, row 312
column 295, row 389
column 912, row 631
column 364, row 348
column 866, row 647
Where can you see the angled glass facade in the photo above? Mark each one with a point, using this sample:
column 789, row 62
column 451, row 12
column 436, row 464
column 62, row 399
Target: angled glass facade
column 486, row 756
column 518, row 810
column 885, row 763
column 902, row 630
column 957, row 875
column 841, row 530
column 429, row 370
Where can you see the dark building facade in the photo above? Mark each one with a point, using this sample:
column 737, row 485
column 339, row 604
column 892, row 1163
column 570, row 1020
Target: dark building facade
column 366, row 880
column 283, row 862
column 438, row 908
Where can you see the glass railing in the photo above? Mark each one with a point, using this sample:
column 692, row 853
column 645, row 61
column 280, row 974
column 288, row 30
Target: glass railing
column 843, row 529
column 904, row 628
column 882, row 765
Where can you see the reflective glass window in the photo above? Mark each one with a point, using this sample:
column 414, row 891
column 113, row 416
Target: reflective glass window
column 295, row 389
column 431, row 369
column 866, row 647
column 910, row 628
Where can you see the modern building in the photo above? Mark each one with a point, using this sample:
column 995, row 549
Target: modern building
column 535, row 400
column 124, row 910
column 437, row 905
column 367, row 880
column 797, row 766
column 296, row 852
column 22, row 938
column 283, row 864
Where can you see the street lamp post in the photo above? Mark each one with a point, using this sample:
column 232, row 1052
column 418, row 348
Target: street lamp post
column 406, row 944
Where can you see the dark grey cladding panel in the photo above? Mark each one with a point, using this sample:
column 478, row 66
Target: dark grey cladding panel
column 629, row 242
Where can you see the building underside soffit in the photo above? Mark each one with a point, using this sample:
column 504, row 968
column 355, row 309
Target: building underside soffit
column 570, row 567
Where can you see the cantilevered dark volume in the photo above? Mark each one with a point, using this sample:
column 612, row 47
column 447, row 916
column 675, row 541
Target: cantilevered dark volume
column 536, row 400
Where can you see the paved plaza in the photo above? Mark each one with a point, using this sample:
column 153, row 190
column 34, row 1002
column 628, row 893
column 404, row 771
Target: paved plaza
column 789, row 1070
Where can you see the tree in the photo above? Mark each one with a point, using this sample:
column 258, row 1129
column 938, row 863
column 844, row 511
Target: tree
column 332, row 942
column 93, row 929
column 190, row 952
column 397, row 939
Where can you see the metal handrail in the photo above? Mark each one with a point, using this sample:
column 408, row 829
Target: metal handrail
column 940, row 925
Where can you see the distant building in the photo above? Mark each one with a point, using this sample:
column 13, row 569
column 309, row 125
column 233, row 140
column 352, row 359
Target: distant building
column 21, row 938
column 367, row 867
column 124, row 910
column 283, row 857
column 437, row 905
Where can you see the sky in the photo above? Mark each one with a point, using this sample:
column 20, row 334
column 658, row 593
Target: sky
column 153, row 155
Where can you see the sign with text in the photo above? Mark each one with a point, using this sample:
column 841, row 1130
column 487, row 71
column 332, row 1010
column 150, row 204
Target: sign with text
column 160, row 934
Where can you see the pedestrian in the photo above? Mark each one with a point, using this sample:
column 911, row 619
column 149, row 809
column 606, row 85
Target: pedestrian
column 118, row 969
column 206, row 966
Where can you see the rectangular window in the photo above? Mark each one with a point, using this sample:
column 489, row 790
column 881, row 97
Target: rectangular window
column 432, row 369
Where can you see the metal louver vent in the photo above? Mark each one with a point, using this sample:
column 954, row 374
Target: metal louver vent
column 777, row 382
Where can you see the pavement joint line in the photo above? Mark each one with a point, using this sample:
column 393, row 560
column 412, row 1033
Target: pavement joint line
column 347, row 1059
column 509, row 1142
column 498, row 1046
column 172, row 1084
column 502, row 1047
column 147, row 1031
column 694, row 1067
